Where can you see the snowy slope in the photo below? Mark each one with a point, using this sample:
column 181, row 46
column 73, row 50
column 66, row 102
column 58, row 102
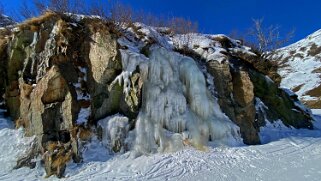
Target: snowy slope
column 300, row 68
column 288, row 154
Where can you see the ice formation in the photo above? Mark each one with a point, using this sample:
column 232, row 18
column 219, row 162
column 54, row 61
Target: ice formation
column 177, row 107
column 130, row 61
column 114, row 131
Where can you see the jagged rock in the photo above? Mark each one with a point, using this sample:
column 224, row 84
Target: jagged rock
column 29, row 159
column 260, row 64
column 14, row 68
column 56, row 89
column 224, row 86
column 281, row 106
column 243, row 94
column 236, row 98
column 104, row 65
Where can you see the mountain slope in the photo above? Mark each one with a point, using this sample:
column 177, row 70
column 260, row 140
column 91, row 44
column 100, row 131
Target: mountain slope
column 300, row 68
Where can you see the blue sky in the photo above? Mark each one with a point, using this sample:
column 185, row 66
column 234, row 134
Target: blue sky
column 224, row 16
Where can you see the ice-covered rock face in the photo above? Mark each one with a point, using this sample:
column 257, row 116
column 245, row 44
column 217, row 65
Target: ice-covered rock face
column 177, row 107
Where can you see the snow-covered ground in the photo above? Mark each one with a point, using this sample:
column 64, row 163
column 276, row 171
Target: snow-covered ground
column 287, row 154
column 300, row 66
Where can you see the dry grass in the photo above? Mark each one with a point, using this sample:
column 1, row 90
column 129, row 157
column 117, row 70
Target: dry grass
column 51, row 146
column 84, row 134
column 33, row 24
column 314, row 50
column 318, row 70
column 81, row 132
column 313, row 104
column 297, row 88
column 62, row 158
column 316, row 92
column 21, row 123
column 292, row 52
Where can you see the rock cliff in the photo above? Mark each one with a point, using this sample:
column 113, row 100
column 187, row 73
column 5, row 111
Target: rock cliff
column 142, row 89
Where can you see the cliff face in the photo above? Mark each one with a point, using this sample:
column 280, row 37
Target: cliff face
column 145, row 89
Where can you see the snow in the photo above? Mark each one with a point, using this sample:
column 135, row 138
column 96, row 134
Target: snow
column 289, row 154
column 13, row 145
column 84, row 113
column 151, row 33
column 83, row 116
column 300, row 70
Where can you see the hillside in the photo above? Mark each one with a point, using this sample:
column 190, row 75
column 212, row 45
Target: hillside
column 300, row 68
column 82, row 89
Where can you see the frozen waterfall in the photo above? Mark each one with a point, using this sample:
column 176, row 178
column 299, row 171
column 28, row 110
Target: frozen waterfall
column 178, row 108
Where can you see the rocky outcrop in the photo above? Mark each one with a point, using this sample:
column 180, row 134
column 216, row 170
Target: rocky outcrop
column 62, row 74
column 243, row 78
column 245, row 112
column 281, row 104
column 104, row 65
column 236, row 98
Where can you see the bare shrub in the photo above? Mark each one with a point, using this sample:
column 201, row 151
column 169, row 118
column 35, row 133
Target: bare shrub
column 99, row 8
column 267, row 39
column 314, row 50
column 183, row 26
column 121, row 13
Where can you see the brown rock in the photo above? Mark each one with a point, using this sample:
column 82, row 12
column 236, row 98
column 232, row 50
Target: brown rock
column 243, row 88
column 245, row 110
column 104, row 65
column 55, row 88
column 224, row 86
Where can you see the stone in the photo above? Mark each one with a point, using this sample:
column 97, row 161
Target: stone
column 104, row 65
column 281, row 106
column 223, row 85
column 245, row 111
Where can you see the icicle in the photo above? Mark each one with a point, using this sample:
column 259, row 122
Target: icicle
column 177, row 106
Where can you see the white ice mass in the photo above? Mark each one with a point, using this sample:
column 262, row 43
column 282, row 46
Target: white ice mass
column 177, row 105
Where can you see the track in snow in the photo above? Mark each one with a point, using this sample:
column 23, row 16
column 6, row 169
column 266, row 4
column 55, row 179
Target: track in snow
column 289, row 154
